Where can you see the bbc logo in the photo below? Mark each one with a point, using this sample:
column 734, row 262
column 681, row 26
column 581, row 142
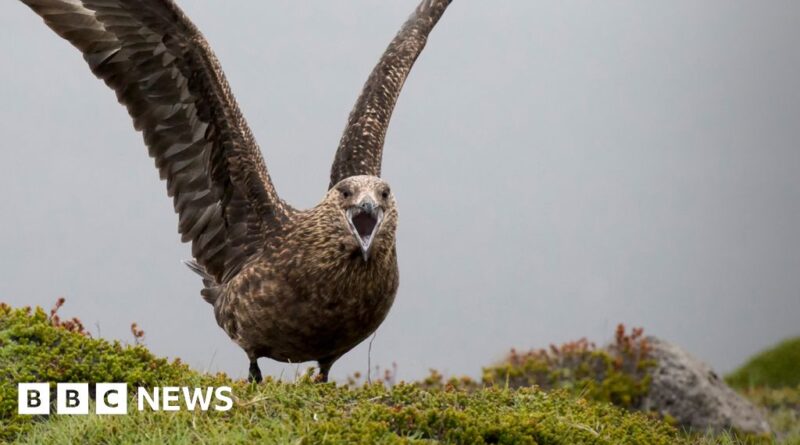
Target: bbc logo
column 72, row 398
column 112, row 398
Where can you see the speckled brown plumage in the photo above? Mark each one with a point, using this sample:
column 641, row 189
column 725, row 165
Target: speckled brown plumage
column 292, row 285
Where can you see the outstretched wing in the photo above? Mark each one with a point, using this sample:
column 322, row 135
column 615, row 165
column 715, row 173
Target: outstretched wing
column 361, row 147
column 164, row 72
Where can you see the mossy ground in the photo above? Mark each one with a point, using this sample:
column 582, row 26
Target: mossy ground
column 777, row 367
column 618, row 374
column 305, row 412
column 35, row 346
column 771, row 379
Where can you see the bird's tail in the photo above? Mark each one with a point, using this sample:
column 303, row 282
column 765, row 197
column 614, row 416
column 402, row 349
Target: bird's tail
column 212, row 288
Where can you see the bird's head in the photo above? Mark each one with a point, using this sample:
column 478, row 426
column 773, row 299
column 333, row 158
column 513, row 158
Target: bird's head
column 369, row 215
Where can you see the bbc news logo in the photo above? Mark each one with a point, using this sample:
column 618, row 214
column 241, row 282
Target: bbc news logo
column 112, row 398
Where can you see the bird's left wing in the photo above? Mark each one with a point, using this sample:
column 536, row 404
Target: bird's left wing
column 361, row 147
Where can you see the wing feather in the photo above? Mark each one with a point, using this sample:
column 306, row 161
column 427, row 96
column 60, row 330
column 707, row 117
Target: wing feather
column 361, row 147
column 164, row 72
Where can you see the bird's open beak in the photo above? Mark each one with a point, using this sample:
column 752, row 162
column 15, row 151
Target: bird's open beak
column 365, row 219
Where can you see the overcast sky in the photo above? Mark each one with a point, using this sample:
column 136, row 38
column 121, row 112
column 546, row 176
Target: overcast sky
column 559, row 167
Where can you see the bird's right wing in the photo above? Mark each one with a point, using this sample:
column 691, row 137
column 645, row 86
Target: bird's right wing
column 361, row 148
column 164, row 72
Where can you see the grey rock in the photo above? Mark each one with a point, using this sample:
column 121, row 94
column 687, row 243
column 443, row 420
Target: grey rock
column 691, row 392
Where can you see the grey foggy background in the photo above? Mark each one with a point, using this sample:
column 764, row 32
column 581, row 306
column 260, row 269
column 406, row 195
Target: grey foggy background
column 559, row 167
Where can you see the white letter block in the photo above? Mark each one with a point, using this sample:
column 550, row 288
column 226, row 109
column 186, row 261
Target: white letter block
column 72, row 398
column 112, row 398
column 33, row 398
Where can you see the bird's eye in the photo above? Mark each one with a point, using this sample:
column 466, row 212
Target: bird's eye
column 385, row 194
column 346, row 194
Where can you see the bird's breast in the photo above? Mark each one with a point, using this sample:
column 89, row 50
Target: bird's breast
column 296, row 318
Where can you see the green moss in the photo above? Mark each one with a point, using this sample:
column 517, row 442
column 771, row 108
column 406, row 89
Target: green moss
column 33, row 349
column 771, row 379
column 305, row 412
column 37, row 347
column 776, row 367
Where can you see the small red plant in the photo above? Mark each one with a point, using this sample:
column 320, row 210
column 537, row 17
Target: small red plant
column 72, row 325
column 138, row 334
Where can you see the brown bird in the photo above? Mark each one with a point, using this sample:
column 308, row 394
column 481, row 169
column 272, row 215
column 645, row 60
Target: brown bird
column 292, row 285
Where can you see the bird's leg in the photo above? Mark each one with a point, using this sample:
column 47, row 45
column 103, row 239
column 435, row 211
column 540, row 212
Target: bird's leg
column 255, row 372
column 324, row 368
